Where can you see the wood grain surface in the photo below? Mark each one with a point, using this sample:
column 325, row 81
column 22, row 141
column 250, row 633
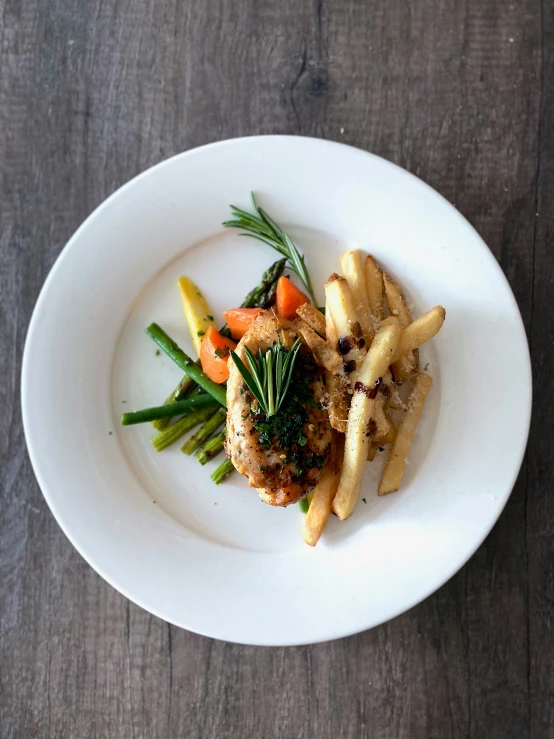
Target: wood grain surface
column 460, row 92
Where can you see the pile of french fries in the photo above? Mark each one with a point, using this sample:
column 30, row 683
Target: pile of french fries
column 368, row 344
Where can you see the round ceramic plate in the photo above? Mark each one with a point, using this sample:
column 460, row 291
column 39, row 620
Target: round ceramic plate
column 216, row 560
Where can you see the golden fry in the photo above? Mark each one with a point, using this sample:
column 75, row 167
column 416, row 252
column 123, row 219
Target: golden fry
column 313, row 317
column 421, row 330
column 374, row 288
column 385, row 432
column 381, row 425
column 372, row 451
column 358, row 429
column 395, row 401
column 323, row 494
column 351, row 344
column 406, row 365
column 398, row 457
column 390, row 436
column 353, row 270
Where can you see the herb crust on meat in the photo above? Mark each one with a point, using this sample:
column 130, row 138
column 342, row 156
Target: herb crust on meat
column 282, row 455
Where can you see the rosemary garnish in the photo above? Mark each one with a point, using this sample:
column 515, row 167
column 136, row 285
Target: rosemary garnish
column 263, row 228
column 270, row 374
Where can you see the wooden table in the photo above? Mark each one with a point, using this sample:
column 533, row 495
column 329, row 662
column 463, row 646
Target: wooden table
column 460, row 92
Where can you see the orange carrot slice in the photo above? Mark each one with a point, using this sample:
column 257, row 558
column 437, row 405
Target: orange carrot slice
column 239, row 320
column 214, row 355
column 289, row 298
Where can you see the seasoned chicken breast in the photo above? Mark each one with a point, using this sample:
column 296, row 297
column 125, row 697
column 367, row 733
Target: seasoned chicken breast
column 282, row 455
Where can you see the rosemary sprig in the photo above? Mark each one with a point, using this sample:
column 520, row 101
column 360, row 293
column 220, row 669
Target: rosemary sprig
column 263, row 228
column 270, row 375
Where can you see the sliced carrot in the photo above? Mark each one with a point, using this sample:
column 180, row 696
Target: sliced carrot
column 214, row 355
column 289, row 298
column 239, row 320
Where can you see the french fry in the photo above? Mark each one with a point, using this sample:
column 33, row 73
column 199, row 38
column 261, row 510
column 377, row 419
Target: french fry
column 358, row 430
column 313, row 317
column 420, row 331
column 337, row 385
column 378, row 444
column 374, row 289
column 382, row 429
column 354, row 272
column 323, row 494
column 372, row 451
column 390, row 436
column 351, row 344
column 325, row 356
column 407, row 364
column 395, row 401
column 381, row 423
column 396, row 463
column 387, row 320
column 397, row 303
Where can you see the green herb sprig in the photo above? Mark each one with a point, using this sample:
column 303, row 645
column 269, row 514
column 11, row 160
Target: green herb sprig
column 263, row 228
column 269, row 375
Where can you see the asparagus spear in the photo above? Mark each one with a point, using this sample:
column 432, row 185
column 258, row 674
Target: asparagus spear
column 186, row 363
column 199, row 402
column 204, row 432
column 268, row 297
column 211, row 448
column 222, row 471
column 174, row 432
column 261, row 296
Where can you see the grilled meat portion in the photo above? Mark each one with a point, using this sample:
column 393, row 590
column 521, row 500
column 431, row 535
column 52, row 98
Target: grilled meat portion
column 282, row 455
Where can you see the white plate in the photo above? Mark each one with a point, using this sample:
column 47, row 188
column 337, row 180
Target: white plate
column 217, row 560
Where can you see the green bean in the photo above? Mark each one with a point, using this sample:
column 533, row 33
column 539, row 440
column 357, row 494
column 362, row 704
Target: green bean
column 199, row 402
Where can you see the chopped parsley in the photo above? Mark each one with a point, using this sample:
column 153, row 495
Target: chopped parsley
column 285, row 430
column 209, row 318
column 200, row 333
column 313, row 403
column 365, row 501
column 314, row 460
column 222, row 353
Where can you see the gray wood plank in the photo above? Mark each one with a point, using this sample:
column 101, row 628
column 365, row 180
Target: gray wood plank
column 91, row 93
column 540, row 463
